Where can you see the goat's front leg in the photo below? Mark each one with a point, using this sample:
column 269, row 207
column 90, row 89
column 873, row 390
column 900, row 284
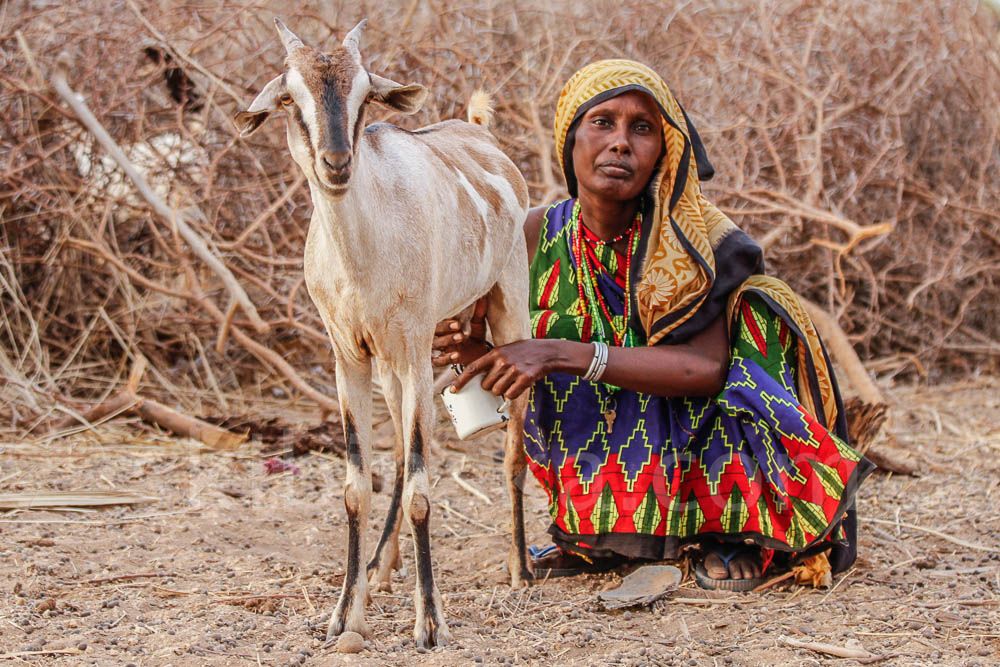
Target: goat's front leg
column 386, row 557
column 354, row 389
column 418, row 412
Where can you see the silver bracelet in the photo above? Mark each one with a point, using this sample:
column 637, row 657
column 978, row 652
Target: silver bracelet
column 599, row 363
column 603, row 365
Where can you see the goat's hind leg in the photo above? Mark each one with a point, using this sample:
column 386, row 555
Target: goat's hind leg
column 386, row 557
column 354, row 389
column 509, row 321
column 430, row 628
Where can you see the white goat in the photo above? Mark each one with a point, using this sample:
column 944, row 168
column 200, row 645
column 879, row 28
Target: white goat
column 407, row 228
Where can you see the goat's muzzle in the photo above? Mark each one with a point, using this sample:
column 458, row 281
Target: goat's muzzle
column 334, row 168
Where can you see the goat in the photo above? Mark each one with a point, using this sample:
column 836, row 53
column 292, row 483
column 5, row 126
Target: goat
column 408, row 228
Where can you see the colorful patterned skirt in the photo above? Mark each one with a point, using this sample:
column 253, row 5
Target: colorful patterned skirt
column 750, row 464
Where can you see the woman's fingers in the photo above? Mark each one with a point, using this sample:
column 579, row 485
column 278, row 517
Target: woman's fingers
column 505, row 381
column 447, row 326
column 497, row 370
column 446, row 359
column 523, row 383
column 473, row 369
column 447, row 340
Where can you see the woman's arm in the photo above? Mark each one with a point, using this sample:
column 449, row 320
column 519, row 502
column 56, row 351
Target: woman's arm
column 696, row 367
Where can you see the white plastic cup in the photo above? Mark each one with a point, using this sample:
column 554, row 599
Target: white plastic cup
column 474, row 410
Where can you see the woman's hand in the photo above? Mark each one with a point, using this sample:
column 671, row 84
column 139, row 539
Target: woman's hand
column 453, row 346
column 514, row 368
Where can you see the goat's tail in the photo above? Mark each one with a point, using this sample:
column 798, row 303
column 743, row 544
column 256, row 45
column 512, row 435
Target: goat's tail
column 481, row 108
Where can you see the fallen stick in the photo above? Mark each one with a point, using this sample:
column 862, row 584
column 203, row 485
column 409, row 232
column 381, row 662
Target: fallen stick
column 121, row 577
column 160, row 415
column 774, row 581
column 470, row 488
column 829, row 649
column 936, row 533
column 115, row 522
column 175, row 218
column 50, row 499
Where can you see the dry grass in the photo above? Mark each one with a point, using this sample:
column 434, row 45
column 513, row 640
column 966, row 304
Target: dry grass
column 233, row 566
column 858, row 140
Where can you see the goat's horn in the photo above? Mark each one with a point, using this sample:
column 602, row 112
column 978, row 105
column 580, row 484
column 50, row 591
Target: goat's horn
column 353, row 39
column 288, row 38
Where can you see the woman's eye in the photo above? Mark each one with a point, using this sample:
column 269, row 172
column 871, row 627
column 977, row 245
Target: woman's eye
column 286, row 100
column 643, row 128
column 602, row 122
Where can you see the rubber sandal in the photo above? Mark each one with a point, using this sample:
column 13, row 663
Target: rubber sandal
column 726, row 554
column 552, row 562
column 645, row 586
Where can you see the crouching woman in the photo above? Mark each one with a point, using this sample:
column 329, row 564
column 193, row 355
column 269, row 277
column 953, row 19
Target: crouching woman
column 679, row 398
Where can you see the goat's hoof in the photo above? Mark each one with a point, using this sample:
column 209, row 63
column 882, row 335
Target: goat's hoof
column 429, row 634
column 338, row 625
column 522, row 580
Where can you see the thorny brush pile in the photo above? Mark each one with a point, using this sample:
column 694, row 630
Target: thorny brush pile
column 858, row 141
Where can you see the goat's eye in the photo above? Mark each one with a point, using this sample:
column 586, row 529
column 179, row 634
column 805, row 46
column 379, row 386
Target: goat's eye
column 286, row 100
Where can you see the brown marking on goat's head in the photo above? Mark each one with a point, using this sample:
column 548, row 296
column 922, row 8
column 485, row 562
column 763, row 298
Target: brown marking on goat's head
column 325, row 94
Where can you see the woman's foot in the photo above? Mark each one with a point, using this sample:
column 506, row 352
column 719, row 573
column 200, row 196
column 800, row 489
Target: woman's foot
column 731, row 568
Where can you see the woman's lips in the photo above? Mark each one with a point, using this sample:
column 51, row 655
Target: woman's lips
column 615, row 169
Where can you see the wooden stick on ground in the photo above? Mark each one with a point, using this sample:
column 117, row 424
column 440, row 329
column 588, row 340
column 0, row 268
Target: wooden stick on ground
column 154, row 412
column 161, row 415
column 829, row 649
column 936, row 533
column 470, row 488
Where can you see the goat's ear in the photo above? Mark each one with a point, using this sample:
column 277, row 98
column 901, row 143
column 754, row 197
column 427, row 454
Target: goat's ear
column 263, row 106
column 407, row 99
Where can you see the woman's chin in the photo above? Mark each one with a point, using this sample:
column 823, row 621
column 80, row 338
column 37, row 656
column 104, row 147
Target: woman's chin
column 614, row 189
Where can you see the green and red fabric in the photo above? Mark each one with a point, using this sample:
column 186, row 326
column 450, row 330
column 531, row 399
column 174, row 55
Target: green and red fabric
column 751, row 463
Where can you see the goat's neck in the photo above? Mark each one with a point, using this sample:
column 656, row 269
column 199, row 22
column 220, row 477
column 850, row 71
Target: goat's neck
column 345, row 224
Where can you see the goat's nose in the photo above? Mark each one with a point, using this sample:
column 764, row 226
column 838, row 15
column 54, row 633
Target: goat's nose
column 336, row 160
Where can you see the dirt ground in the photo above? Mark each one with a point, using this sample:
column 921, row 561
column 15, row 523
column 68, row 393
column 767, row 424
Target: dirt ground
column 233, row 566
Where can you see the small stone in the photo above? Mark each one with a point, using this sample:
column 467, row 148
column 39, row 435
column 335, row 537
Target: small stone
column 421, row 649
column 45, row 605
column 627, row 616
column 350, row 642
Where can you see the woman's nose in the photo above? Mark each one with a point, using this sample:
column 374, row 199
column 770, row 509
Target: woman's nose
column 620, row 143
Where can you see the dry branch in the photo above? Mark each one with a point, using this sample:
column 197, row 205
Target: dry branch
column 158, row 414
column 829, row 649
column 173, row 217
column 43, row 499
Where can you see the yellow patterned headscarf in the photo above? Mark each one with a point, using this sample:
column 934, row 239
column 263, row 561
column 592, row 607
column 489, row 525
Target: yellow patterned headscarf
column 678, row 269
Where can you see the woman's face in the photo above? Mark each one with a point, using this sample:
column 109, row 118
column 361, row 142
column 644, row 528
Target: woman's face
column 618, row 143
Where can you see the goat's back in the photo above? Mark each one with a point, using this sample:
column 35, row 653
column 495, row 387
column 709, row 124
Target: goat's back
column 468, row 206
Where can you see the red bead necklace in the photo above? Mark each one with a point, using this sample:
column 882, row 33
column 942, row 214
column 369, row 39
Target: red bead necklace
column 586, row 283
